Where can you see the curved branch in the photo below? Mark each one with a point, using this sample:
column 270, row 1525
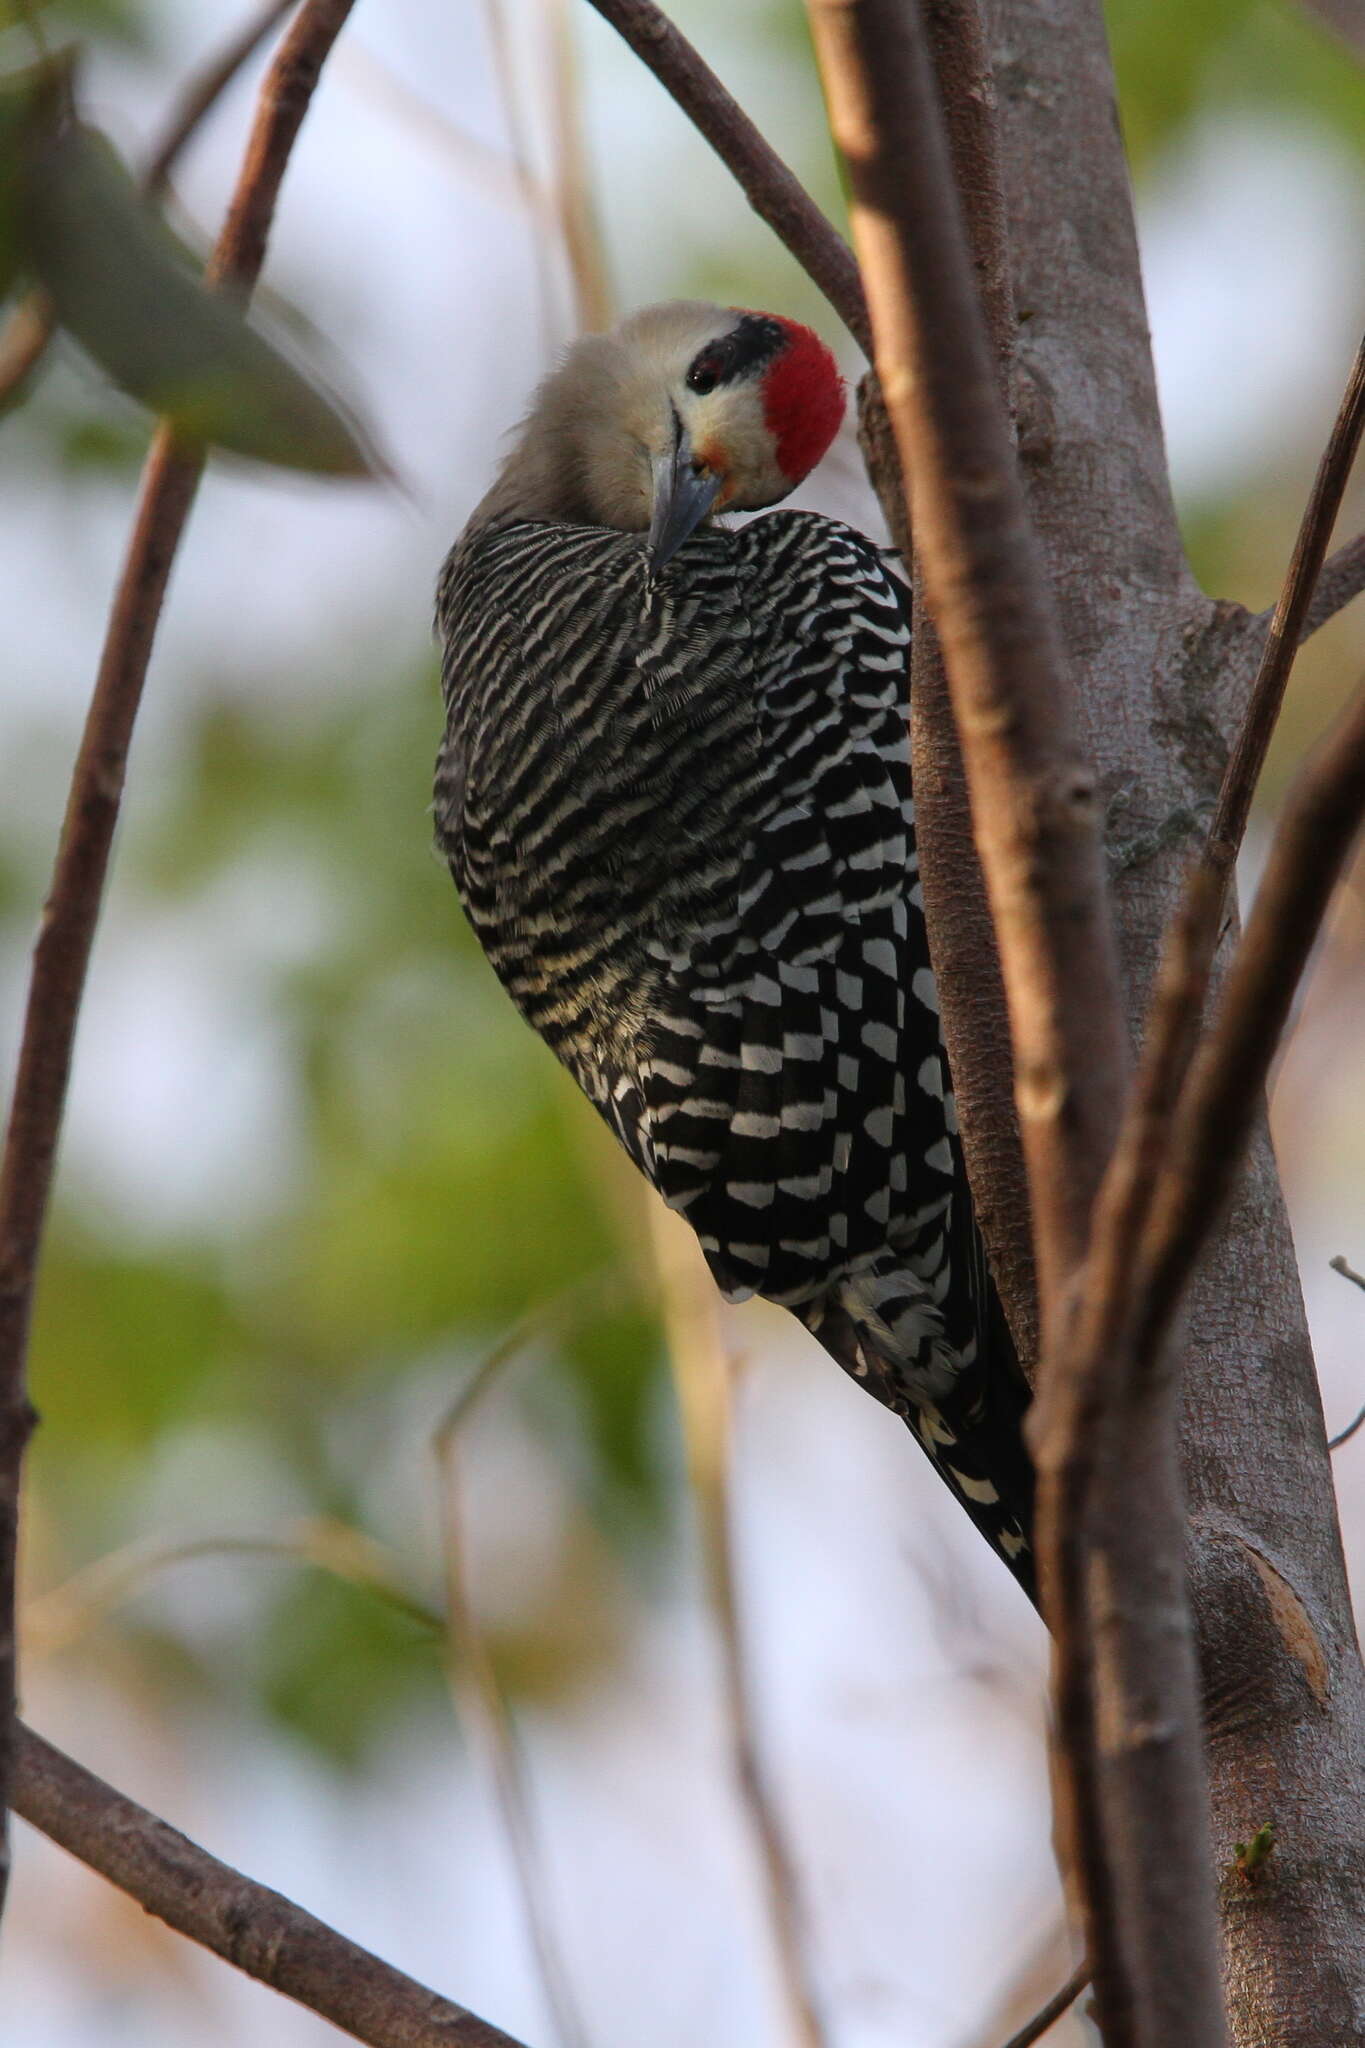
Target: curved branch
column 61, row 957
column 255, row 1929
column 775, row 193
column 203, row 92
column 1342, row 578
column 1290, row 621
column 1049, row 2014
column 1313, row 840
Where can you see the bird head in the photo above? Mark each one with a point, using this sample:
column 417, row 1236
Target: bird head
column 684, row 410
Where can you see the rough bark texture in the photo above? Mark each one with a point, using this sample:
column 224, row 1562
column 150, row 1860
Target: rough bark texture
column 961, row 930
column 1286, row 1703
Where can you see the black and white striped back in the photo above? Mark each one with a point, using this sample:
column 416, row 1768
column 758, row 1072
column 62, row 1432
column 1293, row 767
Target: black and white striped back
column 677, row 807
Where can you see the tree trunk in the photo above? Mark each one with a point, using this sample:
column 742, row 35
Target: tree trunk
column 1283, row 1679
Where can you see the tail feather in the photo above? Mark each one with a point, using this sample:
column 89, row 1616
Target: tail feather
column 968, row 1419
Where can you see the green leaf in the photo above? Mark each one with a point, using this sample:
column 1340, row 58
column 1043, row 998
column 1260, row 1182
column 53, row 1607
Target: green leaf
column 25, row 96
column 128, row 291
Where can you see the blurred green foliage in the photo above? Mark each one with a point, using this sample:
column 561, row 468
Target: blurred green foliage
column 1201, row 57
column 442, row 1187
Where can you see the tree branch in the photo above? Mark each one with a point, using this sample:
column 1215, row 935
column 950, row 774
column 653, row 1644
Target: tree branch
column 203, row 92
column 1342, row 578
column 255, row 1929
column 1034, row 808
column 961, row 935
column 62, row 954
column 1033, row 800
column 1049, row 2014
column 1125, row 1206
column 775, row 194
column 1140, row 1262
column 1289, row 623
column 1317, row 829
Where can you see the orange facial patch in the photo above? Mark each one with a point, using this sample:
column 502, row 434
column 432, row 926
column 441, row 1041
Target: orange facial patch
column 712, row 457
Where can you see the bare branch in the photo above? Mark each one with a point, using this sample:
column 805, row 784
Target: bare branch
column 62, row 954
column 579, row 225
column 478, row 1696
column 961, row 934
column 1034, row 809
column 1049, row 2014
column 1347, row 1272
column 255, row 1929
column 23, row 343
column 203, row 92
column 1182, row 983
column 1119, row 1340
column 1033, row 799
column 776, row 196
column 1313, row 840
column 54, row 1619
column 1289, row 622
column 1343, row 1436
column 500, row 36
column 1342, row 578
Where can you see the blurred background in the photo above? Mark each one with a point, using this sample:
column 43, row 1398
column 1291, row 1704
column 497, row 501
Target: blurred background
column 318, row 1181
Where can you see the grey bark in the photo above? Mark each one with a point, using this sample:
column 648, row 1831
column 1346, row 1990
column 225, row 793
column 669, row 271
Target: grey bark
column 1285, row 1696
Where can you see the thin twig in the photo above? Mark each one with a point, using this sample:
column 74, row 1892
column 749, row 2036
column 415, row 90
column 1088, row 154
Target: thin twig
column 478, row 1696
column 1048, row 2015
column 32, row 324
column 255, row 1929
column 203, row 92
column 1342, row 578
column 775, row 194
column 1339, row 1265
column 1172, row 1034
column 1313, row 840
column 1289, row 622
column 505, row 66
column 62, row 954
column 53, row 1620
column 579, row 223
column 703, row 1372
column 490, row 168
column 1334, row 1443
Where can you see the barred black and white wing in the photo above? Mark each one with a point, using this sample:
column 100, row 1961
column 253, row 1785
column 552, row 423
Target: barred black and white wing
column 678, row 810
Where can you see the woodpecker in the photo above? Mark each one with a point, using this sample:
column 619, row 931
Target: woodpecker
column 674, row 793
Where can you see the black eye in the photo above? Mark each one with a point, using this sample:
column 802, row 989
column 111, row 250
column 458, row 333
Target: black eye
column 705, row 374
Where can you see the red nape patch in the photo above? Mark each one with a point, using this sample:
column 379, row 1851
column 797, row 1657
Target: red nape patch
column 803, row 400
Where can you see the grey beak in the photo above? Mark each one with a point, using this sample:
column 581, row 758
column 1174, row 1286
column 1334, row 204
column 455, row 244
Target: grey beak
column 682, row 497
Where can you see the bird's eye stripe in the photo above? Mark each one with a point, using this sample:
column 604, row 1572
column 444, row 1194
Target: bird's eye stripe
column 749, row 347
